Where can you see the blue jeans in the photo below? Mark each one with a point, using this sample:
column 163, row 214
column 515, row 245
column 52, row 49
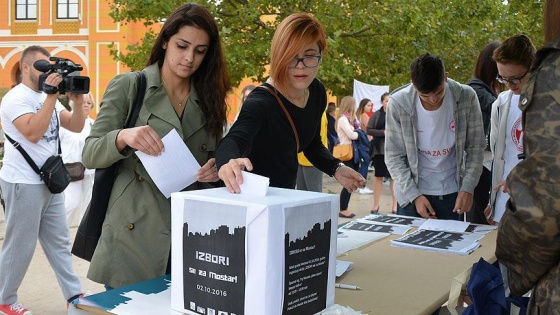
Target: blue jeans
column 364, row 164
column 443, row 206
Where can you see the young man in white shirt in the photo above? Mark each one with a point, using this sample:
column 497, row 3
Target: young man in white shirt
column 434, row 142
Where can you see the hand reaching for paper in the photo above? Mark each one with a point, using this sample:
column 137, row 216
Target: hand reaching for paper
column 230, row 173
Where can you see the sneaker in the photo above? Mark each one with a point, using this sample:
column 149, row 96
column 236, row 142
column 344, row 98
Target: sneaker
column 370, row 168
column 75, row 297
column 365, row 191
column 14, row 309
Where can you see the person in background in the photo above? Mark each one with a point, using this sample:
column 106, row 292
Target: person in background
column 376, row 128
column 487, row 89
column 263, row 140
column 514, row 58
column 362, row 114
column 434, row 142
column 33, row 118
column 308, row 176
column 186, row 87
column 244, row 94
column 332, row 137
column 78, row 193
column 346, row 131
column 528, row 241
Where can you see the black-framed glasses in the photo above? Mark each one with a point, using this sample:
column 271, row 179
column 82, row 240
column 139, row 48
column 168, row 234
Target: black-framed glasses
column 308, row 61
column 515, row 80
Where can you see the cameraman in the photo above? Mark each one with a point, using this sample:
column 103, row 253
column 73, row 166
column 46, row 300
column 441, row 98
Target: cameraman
column 33, row 118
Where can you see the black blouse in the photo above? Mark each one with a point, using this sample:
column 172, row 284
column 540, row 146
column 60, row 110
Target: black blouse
column 263, row 134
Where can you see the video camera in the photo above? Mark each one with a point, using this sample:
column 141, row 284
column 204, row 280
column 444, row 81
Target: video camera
column 65, row 67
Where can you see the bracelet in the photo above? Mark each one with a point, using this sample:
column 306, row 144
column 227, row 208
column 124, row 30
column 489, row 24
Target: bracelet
column 338, row 166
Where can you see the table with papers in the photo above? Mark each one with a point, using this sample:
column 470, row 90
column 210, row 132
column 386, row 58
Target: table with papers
column 398, row 280
column 393, row 280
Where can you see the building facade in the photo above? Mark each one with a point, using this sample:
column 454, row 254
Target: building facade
column 79, row 30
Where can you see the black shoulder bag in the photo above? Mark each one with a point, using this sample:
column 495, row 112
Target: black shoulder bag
column 53, row 172
column 90, row 227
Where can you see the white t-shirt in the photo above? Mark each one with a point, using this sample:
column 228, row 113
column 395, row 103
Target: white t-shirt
column 514, row 146
column 436, row 148
column 17, row 102
column 73, row 143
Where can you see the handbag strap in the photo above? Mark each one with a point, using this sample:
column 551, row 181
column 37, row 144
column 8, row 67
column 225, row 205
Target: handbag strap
column 26, row 156
column 30, row 161
column 273, row 92
column 137, row 105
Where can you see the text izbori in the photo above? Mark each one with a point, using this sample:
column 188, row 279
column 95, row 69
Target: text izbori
column 215, row 259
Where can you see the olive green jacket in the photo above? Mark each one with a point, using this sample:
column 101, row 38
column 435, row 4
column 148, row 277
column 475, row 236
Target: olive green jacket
column 528, row 241
column 136, row 237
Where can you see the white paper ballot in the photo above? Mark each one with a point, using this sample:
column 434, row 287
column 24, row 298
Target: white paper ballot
column 254, row 184
column 444, row 225
column 175, row 168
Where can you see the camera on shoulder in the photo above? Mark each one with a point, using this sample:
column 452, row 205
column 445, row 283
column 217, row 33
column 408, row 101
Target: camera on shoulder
column 66, row 68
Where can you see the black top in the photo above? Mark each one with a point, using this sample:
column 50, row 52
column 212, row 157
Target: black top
column 263, row 134
column 486, row 96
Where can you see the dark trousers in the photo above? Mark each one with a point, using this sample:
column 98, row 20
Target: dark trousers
column 345, row 194
column 481, row 197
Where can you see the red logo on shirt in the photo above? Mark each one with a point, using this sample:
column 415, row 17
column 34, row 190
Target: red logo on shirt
column 452, row 126
column 517, row 135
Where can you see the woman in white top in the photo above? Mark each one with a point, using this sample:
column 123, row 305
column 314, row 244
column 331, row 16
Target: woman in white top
column 513, row 58
column 346, row 133
column 78, row 193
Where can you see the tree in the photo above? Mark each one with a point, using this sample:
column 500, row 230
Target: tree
column 371, row 41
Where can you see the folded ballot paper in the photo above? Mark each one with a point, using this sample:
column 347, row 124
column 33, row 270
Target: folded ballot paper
column 249, row 254
column 440, row 241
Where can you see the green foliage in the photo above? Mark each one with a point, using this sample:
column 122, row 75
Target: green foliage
column 371, row 41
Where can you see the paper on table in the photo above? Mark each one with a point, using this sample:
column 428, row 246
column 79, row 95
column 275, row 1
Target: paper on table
column 444, row 225
column 342, row 266
column 349, row 239
column 368, row 226
column 175, row 168
column 254, row 184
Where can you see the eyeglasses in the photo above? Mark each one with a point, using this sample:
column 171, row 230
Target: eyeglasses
column 308, row 61
column 515, row 80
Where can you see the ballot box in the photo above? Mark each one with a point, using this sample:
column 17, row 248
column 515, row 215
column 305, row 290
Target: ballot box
column 235, row 254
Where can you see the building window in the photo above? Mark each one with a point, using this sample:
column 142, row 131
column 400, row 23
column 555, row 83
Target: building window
column 26, row 9
column 67, row 9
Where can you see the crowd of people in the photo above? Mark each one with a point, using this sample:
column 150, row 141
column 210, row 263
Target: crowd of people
column 440, row 144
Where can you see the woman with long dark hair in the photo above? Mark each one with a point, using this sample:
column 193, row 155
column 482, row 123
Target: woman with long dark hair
column 186, row 88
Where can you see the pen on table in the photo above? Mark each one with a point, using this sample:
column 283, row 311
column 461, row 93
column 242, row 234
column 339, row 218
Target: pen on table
column 347, row 286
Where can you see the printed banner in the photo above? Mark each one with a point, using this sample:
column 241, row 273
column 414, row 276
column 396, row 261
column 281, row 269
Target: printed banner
column 307, row 248
column 214, row 262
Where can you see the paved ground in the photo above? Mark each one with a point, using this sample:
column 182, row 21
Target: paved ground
column 41, row 294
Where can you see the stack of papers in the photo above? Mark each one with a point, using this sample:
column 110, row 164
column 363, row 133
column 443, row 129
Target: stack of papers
column 440, row 241
column 482, row 229
column 366, row 226
column 445, row 225
column 395, row 219
column 349, row 239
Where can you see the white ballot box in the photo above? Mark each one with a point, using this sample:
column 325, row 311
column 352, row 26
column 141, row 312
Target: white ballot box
column 235, row 254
